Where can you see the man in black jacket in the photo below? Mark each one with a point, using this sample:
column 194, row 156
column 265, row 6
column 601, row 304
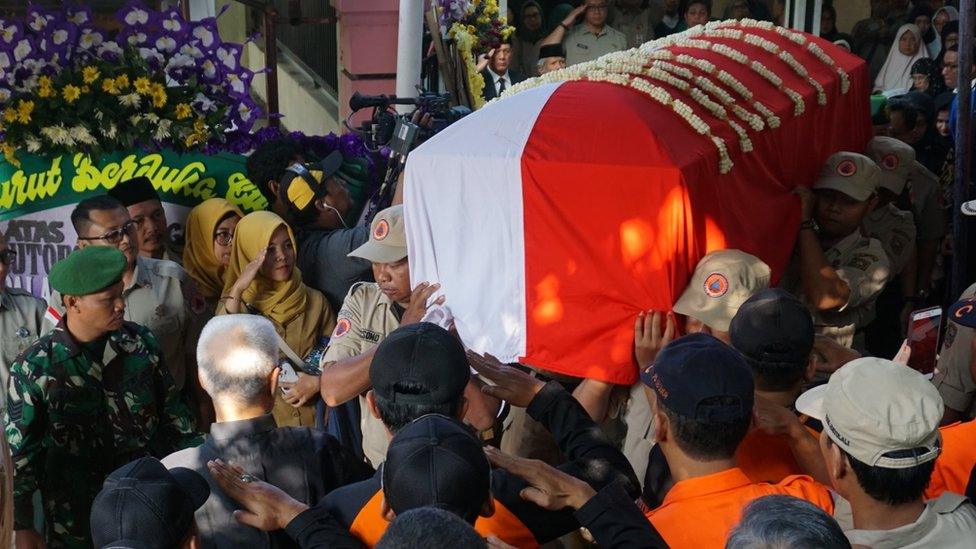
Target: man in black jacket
column 238, row 357
column 498, row 77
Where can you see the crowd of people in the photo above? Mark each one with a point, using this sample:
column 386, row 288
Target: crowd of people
column 275, row 380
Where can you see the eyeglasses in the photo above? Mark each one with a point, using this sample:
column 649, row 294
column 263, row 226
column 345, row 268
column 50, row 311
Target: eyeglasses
column 8, row 256
column 602, row 7
column 224, row 238
column 116, row 236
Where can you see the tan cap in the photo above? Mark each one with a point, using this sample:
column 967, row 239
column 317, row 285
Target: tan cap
column 722, row 282
column 895, row 159
column 387, row 238
column 853, row 174
column 872, row 406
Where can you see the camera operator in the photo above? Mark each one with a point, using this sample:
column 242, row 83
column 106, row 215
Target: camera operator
column 313, row 202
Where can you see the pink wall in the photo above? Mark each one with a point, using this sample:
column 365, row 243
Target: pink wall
column 367, row 50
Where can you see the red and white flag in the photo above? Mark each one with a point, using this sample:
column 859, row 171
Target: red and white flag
column 553, row 216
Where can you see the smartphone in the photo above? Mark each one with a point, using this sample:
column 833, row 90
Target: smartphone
column 287, row 373
column 923, row 338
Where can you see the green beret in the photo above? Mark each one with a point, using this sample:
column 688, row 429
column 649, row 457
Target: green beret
column 134, row 191
column 87, row 270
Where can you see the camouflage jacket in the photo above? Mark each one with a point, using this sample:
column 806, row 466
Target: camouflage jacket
column 72, row 418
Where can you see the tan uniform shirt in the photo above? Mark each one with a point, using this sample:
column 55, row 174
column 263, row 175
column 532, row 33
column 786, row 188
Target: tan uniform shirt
column 21, row 323
column 923, row 189
column 953, row 377
column 582, row 45
column 861, row 263
column 947, row 522
column 163, row 298
column 895, row 230
column 366, row 317
column 636, row 25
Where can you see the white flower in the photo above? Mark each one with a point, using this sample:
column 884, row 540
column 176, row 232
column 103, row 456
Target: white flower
column 135, row 119
column 165, row 43
column 111, row 131
column 4, row 95
column 22, row 50
column 131, row 100
column 90, row 39
column 172, row 25
column 209, row 68
column 33, row 144
column 162, row 130
column 137, row 17
column 57, row 135
column 191, row 50
column 136, row 38
column 59, row 37
column 81, row 135
column 152, row 117
column 99, row 115
column 150, row 53
column 203, row 103
column 204, row 35
column 109, row 47
column 179, row 61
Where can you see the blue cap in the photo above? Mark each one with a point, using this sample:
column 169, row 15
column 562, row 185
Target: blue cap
column 963, row 312
column 701, row 378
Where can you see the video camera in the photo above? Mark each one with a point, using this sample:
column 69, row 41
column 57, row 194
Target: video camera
column 401, row 132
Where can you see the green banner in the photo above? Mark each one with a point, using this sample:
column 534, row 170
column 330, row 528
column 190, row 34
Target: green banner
column 42, row 183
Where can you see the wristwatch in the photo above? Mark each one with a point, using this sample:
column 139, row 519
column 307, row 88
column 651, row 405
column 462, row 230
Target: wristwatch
column 810, row 224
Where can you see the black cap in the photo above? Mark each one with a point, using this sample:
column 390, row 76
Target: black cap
column 773, row 326
column 701, row 378
column 552, row 50
column 423, row 357
column 436, row 462
column 303, row 183
column 134, row 191
column 143, row 505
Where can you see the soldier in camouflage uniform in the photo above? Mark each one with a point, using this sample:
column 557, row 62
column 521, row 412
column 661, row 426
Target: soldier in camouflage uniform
column 88, row 397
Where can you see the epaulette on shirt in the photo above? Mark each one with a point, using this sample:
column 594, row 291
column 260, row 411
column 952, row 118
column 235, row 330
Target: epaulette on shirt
column 167, row 268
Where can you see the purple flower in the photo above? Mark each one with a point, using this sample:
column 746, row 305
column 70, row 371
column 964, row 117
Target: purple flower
column 153, row 58
column 134, row 13
column 205, row 33
column 110, row 51
column 10, row 32
column 166, row 43
column 238, row 83
column 134, row 36
column 90, row 39
column 351, row 145
column 171, row 23
column 229, row 56
column 245, row 114
column 59, row 37
column 23, row 48
column 37, row 19
column 78, row 14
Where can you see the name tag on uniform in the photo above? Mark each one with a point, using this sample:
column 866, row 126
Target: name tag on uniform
column 369, row 335
column 582, row 46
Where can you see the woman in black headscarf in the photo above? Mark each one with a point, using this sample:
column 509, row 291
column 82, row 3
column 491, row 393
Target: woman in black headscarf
column 927, row 77
column 531, row 29
column 921, row 16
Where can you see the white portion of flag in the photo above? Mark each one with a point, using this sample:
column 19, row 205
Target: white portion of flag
column 470, row 176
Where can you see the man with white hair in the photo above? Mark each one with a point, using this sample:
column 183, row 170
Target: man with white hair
column 238, row 367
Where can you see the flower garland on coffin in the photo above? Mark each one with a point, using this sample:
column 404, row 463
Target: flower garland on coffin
column 636, row 68
column 161, row 82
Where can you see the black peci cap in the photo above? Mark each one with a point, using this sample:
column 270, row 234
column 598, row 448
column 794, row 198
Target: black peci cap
column 134, row 191
column 552, row 50
column 419, row 364
column 436, row 462
column 143, row 505
column 773, row 326
column 701, row 378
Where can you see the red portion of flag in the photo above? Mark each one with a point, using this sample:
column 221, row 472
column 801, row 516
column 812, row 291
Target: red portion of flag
column 622, row 198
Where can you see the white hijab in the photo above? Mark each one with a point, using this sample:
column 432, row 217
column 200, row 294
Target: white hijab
column 896, row 73
column 935, row 46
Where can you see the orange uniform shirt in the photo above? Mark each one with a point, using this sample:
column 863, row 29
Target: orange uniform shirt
column 955, row 463
column 699, row 513
column 768, row 458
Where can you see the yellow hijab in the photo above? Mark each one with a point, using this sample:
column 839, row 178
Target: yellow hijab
column 279, row 301
column 198, row 255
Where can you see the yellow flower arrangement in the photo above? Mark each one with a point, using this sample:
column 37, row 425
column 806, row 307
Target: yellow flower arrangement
column 143, row 86
column 10, row 154
column 71, row 93
column 24, row 110
column 465, row 44
column 122, row 82
column 90, row 74
column 10, row 115
column 159, row 99
column 45, row 87
column 183, row 111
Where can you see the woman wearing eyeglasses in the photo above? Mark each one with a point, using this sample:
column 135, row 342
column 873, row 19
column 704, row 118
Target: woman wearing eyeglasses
column 209, row 235
column 262, row 278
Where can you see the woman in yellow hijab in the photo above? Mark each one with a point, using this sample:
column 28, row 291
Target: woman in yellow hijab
column 209, row 235
column 262, row 278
